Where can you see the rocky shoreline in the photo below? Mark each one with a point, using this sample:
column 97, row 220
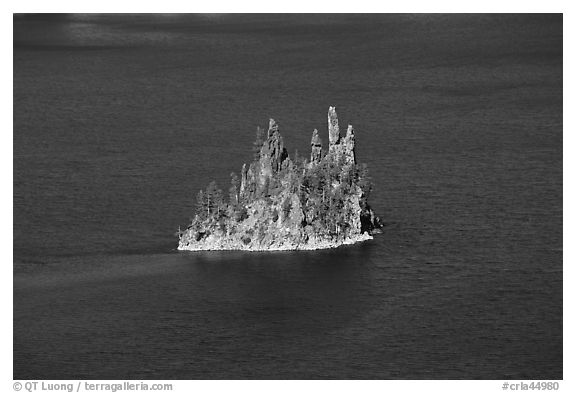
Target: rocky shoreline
column 220, row 244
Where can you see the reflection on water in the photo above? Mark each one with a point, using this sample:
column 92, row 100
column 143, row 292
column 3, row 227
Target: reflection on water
column 203, row 308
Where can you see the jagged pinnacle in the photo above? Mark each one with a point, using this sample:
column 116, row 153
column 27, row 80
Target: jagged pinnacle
column 272, row 127
column 333, row 129
column 316, row 142
column 350, row 131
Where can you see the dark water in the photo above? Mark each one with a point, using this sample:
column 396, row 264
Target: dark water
column 119, row 120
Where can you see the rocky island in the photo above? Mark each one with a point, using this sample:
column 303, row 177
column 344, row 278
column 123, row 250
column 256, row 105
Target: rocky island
column 279, row 203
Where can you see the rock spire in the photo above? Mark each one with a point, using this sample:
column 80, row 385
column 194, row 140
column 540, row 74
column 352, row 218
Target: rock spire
column 349, row 144
column 340, row 147
column 273, row 152
column 333, row 129
column 316, row 142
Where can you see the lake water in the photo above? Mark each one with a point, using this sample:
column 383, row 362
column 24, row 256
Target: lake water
column 119, row 120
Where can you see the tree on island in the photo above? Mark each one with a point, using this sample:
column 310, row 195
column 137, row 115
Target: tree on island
column 202, row 210
column 233, row 191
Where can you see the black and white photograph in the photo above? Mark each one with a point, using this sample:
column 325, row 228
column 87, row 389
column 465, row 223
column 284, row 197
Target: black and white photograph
column 287, row 196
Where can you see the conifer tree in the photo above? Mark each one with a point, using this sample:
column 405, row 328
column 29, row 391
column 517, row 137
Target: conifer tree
column 201, row 205
column 219, row 204
column 215, row 202
column 297, row 158
column 299, row 163
column 233, row 189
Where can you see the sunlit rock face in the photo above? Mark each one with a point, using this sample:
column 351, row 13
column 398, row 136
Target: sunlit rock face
column 349, row 146
column 343, row 148
column 273, row 152
column 282, row 204
column 316, row 143
column 333, row 128
column 272, row 156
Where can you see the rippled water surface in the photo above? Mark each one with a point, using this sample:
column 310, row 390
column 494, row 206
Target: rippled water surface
column 120, row 120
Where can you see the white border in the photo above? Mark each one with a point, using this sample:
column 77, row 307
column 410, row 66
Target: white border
column 357, row 6
column 295, row 6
